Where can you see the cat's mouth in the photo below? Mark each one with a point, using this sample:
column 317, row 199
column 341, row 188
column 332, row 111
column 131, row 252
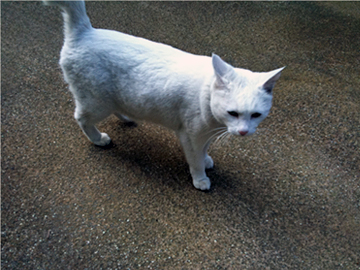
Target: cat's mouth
column 237, row 132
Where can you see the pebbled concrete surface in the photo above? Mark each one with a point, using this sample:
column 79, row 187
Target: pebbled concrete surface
column 286, row 198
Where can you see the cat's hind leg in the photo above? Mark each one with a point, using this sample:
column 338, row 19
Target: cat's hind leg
column 209, row 163
column 125, row 119
column 87, row 119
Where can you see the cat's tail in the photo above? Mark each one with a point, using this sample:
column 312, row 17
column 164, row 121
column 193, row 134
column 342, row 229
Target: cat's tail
column 75, row 18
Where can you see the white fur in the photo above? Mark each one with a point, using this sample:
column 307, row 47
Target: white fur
column 114, row 73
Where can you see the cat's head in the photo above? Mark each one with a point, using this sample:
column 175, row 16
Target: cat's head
column 240, row 98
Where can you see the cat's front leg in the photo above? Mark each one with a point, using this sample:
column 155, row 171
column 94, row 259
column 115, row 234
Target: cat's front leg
column 195, row 156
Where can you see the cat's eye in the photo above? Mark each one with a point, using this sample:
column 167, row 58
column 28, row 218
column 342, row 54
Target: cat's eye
column 255, row 115
column 233, row 113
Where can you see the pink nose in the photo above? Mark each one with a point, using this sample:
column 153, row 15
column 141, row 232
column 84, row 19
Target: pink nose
column 243, row 133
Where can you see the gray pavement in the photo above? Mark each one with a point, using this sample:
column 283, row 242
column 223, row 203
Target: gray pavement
column 286, row 198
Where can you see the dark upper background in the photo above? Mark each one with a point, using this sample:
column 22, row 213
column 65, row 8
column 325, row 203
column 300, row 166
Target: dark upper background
column 287, row 198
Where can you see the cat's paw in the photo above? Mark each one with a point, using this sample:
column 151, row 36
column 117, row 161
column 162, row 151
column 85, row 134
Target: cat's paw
column 104, row 140
column 202, row 184
column 209, row 163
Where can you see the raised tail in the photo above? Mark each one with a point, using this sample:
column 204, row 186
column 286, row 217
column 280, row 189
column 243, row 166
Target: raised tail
column 75, row 18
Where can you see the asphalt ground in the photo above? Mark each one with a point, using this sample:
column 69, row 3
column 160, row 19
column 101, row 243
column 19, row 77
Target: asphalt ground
column 285, row 198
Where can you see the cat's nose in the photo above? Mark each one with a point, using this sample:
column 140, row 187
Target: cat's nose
column 243, row 133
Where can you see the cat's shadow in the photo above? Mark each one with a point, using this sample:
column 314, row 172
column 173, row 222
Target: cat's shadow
column 154, row 155
column 155, row 152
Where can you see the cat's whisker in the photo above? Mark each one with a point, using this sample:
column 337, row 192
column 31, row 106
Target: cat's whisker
column 216, row 130
column 224, row 137
column 227, row 137
column 216, row 134
column 220, row 136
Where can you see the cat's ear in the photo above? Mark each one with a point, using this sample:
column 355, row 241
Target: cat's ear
column 221, row 69
column 271, row 79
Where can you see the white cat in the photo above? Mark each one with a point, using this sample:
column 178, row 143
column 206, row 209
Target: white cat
column 199, row 97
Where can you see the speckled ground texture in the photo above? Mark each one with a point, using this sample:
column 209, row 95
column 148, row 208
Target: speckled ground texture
column 285, row 198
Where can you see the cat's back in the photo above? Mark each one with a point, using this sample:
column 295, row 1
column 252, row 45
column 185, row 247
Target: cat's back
column 117, row 44
column 108, row 49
